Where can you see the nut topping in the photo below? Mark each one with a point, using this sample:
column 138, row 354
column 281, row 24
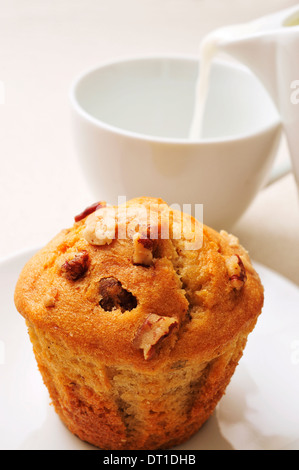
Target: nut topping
column 100, row 227
column 75, row 268
column 143, row 250
column 115, row 296
column 152, row 332
column 50, row 298
column 232, row 240
column 89, row 210
column 236, row 271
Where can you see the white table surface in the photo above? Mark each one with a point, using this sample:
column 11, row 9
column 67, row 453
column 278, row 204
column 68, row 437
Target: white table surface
column 44, row 44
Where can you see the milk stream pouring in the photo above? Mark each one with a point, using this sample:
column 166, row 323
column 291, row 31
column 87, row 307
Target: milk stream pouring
column 209, row 48
column 269, row 47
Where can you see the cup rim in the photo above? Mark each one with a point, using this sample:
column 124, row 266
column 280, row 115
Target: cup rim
column 274, row 124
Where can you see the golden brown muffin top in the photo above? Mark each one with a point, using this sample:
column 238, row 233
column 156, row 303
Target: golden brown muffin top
column 141, row 284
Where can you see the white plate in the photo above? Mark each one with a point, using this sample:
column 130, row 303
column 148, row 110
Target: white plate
column 259, row 411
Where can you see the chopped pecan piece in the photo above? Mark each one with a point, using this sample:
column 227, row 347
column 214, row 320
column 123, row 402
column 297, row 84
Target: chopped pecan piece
column 236, row 271
column 152, row 332
column 232, row 240
column 75, row 268
column 100, row 227
column 50, row 298
column 89, row 210
column 115, row 296
column 143, row 250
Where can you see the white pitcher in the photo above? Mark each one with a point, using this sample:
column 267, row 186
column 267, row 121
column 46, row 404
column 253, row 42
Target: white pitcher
column 269, row 46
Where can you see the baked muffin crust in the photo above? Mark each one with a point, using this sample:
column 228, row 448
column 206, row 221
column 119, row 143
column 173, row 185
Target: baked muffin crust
column 192, row 286
column 146, row 312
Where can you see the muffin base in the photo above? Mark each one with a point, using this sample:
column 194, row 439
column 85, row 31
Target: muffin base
column 115, row 407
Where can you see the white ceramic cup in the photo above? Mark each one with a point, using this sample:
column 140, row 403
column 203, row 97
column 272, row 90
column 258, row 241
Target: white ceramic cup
column 131, row 120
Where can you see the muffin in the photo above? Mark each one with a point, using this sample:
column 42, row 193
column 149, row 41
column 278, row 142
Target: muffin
column 138, row 315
